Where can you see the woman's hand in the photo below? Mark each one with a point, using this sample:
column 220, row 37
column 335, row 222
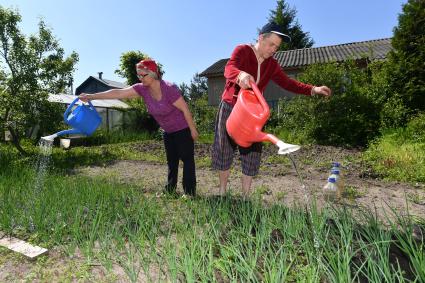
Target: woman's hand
column 84, row 97
column 194, row 133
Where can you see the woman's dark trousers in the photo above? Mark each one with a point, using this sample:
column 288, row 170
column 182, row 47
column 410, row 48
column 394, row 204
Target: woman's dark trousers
column 180, row 146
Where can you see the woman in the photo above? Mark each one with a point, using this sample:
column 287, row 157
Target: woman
column 165, row 103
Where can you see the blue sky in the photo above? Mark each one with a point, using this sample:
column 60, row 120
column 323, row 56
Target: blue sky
column 187, row 36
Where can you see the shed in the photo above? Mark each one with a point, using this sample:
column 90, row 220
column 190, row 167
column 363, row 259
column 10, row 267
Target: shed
column 109, row 109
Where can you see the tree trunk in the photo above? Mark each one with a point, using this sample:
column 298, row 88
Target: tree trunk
column 16, row 141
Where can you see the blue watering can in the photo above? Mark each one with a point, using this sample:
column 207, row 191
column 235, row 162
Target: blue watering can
column 84, row 120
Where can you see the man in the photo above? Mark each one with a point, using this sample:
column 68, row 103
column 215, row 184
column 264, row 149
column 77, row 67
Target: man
column 251, row 63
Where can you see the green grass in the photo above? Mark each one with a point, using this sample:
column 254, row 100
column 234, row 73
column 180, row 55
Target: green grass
column 399, row 153
column 209, row 239
column 397, row 159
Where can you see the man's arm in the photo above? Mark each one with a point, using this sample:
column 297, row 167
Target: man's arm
column 232, row 71
column 295, row 86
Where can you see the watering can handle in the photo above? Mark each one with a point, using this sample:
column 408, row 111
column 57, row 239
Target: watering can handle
column 259, row 95
column 65, row 115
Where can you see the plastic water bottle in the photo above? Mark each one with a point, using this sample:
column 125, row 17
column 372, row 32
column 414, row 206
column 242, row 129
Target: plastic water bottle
column 330, row 189
column 336, row 165
column 340, row 180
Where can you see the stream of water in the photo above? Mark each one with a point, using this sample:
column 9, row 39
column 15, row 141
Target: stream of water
column 41, row 167
column 307, row 201
column 42, row 163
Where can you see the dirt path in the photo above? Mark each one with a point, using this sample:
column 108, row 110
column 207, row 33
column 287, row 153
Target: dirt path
column 278, row 182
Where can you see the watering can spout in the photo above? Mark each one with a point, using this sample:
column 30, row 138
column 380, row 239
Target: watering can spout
column 62, row 133
column 285, row 148
column 50, row 138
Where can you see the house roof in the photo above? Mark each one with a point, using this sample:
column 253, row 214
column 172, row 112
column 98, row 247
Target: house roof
column 109, row 83
column 104, row 103
column 374, row 49
column 112, row 83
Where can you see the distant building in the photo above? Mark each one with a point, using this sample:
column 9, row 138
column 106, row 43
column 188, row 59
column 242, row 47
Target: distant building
column 293, row 62
column 112, row 117
column 109, row 109
column 97, row 84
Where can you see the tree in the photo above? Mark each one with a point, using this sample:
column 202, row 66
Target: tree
column 198, row 88
column 407, row 59
column 128, row 63
column 285, row 16
column 32, row 67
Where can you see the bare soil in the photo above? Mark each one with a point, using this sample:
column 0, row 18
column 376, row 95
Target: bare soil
column 278, row 180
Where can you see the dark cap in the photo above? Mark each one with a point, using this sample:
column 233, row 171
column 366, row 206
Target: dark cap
column 275, row 28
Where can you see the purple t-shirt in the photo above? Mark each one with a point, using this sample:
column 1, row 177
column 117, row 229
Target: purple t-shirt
column 169, row 117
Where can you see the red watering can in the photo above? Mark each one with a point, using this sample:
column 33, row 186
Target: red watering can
column 247, row 119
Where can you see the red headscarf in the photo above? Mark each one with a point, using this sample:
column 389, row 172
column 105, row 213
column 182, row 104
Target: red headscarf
column 149, row 65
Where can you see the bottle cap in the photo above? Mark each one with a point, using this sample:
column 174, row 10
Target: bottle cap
column 336, row 164
column 335, row 171
column 331, row 179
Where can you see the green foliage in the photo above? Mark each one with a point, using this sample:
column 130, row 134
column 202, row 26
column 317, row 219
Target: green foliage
column 198, row 88
column 416, row 128
column 398, row 153
column 31, row 67
column 203, row 114
column 101, row 136
column 140, row 119
column 285, row 17
column 350, row 117
column 407, row 59
column 393, row 113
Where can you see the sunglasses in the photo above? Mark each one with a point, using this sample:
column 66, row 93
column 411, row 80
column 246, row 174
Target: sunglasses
column 141, row 76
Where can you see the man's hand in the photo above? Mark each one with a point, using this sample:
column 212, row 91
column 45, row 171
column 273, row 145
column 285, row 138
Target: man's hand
column 321, row 90
column 244, row 80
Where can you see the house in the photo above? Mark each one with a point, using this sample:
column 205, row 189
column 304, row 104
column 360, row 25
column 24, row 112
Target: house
column 293, row 62
column 93, row 85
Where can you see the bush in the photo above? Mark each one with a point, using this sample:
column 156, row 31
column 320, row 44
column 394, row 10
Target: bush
column 203, row 114
column 415, row 130
column 139, row 120
column 350, row 117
